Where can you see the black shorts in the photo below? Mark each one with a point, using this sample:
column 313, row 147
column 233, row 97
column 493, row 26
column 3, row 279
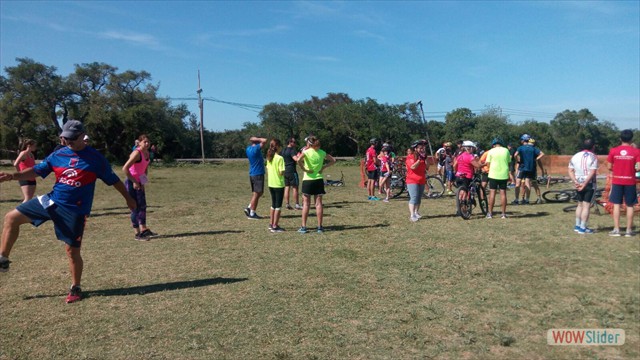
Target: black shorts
column 526, row 175
column 372, row 175
column 257, row 183
column 291, row 179
column 586, row 195
column 484, row 177
column 497, row 184
column 463, row 183
column 277, row 195
column 313, row 187
column 27, row 182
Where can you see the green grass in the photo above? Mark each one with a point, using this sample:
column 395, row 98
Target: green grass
column 215, row 285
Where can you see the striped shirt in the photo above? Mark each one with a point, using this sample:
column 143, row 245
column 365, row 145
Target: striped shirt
column 582, row 163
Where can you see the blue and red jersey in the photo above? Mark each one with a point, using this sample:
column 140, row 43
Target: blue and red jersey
column 76, row 174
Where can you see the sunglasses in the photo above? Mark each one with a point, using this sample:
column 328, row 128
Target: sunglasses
column 71, row 139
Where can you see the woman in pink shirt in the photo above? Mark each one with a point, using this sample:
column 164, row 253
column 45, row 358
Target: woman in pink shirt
column 26, row 160
column 135, row 170
column 465, row 165
column 417, row 167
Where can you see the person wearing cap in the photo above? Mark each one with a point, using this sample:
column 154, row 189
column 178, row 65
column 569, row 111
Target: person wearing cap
column 527, row 156
column 76, row 168
column 465, row 166
column 497, row 160
column 417, row 166
column 371, row 165
column 86, row 139
column 256, row 174
column 534, row 182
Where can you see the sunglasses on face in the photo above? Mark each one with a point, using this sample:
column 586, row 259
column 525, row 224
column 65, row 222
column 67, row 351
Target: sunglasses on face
column 71, row 139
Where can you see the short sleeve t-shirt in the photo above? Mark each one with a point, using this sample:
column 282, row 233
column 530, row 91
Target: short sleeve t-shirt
column 528, row 156
column 623, row 159
column 274, row 168
column 371, row 159
column 76, row 174
column 417, row 175
column 289, row 164
column 498, row 159
column 583, row 163
column 465, row 167
column 256, row 161
column 313, row 160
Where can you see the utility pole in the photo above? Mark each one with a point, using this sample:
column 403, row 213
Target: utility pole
column 424, row 121
column 201, row 105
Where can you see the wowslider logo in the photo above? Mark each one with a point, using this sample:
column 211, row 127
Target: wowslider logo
column 585, row 337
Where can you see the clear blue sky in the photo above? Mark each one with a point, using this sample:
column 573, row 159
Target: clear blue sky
column 532, row 59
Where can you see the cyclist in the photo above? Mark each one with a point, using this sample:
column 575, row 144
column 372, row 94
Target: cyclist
column 417, row 167
column 385, row 172
column 498, row 162
column 441, row 156
column 527, row 156
column 582, row 171
column 534, row 183
column 371, row 164
column 465, row 166
column 448, row 170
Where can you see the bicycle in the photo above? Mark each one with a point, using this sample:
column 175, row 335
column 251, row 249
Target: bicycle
column 335, row 182
column 560, row 196
column 434, row 187
column 475, row 197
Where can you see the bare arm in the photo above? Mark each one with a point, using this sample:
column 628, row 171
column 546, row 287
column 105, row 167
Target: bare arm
column 18, row 160
column 331, row 161
column 133, row 158
column 123, row 191
column 21, row 175
column 262, row 141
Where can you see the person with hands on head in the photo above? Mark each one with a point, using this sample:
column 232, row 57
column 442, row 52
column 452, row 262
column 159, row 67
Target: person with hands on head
column 136, row 171
column 76, row 168
column 256, row 174
column 582, row 171
column 312, row 163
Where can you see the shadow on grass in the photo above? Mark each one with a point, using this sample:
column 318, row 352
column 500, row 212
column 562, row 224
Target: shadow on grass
column 149, row 289
column 197, row 233
column 124, row 208
column 527, row 215
column 354, row 227
column 341, row 204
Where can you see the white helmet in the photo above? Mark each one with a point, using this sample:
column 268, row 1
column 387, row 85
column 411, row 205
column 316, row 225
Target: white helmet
column 468, row 143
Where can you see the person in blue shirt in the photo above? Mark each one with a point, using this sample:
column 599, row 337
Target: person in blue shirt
column 76, row 167
column 527, row 156
column 256, row 175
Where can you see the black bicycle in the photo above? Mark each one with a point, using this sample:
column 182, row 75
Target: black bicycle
column 474, row 197
column 335, row 182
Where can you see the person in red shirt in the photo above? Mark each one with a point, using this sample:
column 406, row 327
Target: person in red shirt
column 622, row 162
column 26, row 160
column 371, row 165
column 417, row 167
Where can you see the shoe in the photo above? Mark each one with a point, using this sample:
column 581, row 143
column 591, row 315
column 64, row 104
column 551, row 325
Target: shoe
column 320, row 230
column 270, row 227
column 489, row 216
column 303, row 230
column 4, row 264
column 289, row 207
column 375, row 198
column 418, row 216
column 148, row 233
column 576, row 228
column 524, row 202
column 414, row 218
column 629, row 234
column 515, row 202
column 247, row 211
column 587, row 231
column 277, row 229
column 254, row 217
column 140, row 237
column 504, row 216
column 450, row 193
column 298, row 207
column 539, row 201
column 386, row 200
column 75, row 294
column 614, row 232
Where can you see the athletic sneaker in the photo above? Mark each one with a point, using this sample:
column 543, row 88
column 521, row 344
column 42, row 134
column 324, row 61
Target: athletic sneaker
column 450, row 193
column 4, row 264
column 303, row 230
column 148, row 233
column 75, row 294
column 515, row 202
column 254, row 217
column 298, row 207
column 289, row 207
column 629, row 234
column 320, row 230
column 586, row 231
column 576, row 228
column 374, row 198
column 418, row 216
column 489, row 216
column 539, row 201
column 386, row 200
column 504, row 216
column 524, row 202
column 270, row 226
column 614, row 232
column 414, row 218
column 139, row 237
column 247, row 211
column 277, row 229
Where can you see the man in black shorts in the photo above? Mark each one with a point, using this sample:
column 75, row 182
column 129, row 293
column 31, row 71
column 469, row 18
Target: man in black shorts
column 291, row 180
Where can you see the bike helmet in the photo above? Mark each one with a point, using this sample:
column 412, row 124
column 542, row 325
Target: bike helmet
column 447, row 144
column 497, row 140
column 468, row 143
column 373, row 141
column 532, row 141
column 418, row 142
column 525, row 137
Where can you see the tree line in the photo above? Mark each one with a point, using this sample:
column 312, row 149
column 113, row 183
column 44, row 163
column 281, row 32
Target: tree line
column 116, row 107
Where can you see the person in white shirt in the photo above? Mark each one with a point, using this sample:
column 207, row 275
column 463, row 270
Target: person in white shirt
column 582, row 170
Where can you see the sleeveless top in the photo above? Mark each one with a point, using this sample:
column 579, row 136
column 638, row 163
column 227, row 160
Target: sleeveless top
column 139, row 168
column 27, row 162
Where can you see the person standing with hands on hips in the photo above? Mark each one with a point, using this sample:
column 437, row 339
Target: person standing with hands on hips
column 135, row 170
column 76, row 167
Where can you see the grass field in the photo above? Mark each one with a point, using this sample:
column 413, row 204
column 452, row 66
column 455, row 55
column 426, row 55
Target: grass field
column 215, row 285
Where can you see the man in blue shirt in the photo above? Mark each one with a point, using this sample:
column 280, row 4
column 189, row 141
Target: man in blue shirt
column 527, row 156
column 76, row 167
column 256, row 175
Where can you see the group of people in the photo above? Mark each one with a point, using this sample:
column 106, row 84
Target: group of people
column 76, row 166
column 282, row 178
column 379, row 167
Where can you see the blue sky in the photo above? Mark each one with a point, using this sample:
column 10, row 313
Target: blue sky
column 532, row 59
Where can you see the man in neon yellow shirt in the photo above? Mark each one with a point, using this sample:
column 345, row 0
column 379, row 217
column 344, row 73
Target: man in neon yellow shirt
column 498, row 162
column 311, row 161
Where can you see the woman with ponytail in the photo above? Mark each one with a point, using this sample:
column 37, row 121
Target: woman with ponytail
column 275, row 182
column 26, row 160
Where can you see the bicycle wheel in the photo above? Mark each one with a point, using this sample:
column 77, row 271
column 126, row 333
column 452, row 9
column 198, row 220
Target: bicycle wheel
column 434, row 187
column 463, row 207
column 397, row 185
column 483, row 202
column 570, row 208
column 558, row 196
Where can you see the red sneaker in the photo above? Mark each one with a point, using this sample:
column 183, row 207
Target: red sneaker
column 75, row 294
